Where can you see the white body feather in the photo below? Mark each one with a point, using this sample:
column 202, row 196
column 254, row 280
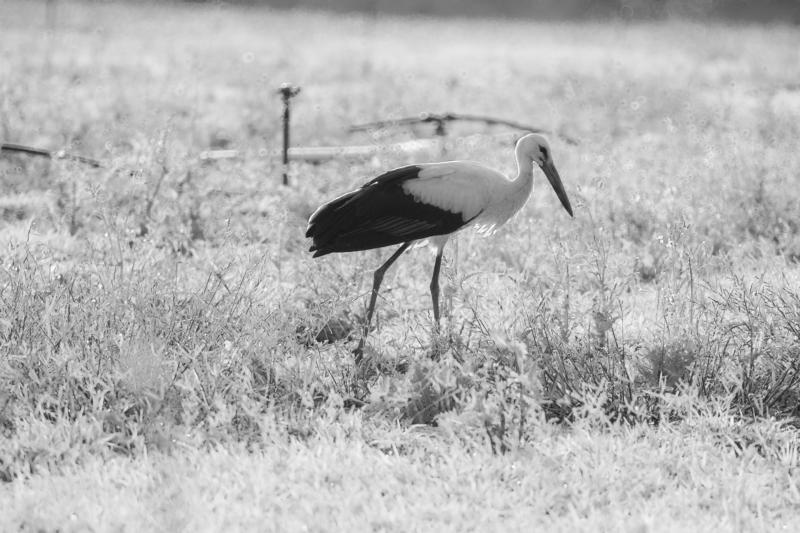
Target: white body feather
column 478, row 193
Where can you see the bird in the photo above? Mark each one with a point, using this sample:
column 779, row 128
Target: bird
column 428, row 202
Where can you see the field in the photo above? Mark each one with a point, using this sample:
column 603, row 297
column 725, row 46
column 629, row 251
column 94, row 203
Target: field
column 172, row 358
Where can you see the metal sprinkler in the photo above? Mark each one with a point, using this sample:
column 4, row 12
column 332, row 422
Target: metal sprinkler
column 287, row 92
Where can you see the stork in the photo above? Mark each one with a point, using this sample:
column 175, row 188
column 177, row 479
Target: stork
column 428, row 202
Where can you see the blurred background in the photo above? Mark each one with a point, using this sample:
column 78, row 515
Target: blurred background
column 756, row 10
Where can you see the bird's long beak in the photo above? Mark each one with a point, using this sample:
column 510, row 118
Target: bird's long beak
column 555, row 180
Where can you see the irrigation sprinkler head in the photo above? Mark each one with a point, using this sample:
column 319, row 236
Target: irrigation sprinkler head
column 288, row 91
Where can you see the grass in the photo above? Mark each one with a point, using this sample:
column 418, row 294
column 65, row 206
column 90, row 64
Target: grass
column 592, row 477
column 169, row 346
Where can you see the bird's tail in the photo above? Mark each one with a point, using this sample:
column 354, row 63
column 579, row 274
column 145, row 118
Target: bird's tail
column 325, row 224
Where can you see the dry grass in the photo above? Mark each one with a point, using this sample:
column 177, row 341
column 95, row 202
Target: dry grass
column 162, row 312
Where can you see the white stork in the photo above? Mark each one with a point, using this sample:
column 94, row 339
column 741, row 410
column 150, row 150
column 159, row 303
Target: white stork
column 428, row 201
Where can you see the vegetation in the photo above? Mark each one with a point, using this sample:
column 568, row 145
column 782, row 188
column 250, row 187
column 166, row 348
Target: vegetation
column 172, row 358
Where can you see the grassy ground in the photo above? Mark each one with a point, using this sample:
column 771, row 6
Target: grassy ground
column 590, row 478
column 165, row 334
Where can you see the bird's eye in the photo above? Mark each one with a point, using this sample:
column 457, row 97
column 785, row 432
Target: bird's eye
column 545, row 155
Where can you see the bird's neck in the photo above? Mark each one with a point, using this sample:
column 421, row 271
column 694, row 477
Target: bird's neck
column 523, row 183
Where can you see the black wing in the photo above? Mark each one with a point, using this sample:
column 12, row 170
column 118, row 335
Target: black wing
column 378, row 214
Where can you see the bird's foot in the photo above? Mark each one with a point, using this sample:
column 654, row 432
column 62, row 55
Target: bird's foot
column 440, row 343
column 365, row 370
column 446, row 342
column 358, row 355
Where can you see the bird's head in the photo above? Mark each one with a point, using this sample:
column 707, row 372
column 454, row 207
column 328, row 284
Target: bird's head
column 534, row 147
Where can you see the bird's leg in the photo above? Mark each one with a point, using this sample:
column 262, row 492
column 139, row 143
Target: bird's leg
column 376, row 285
column 437, row 347
column 437, row 266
